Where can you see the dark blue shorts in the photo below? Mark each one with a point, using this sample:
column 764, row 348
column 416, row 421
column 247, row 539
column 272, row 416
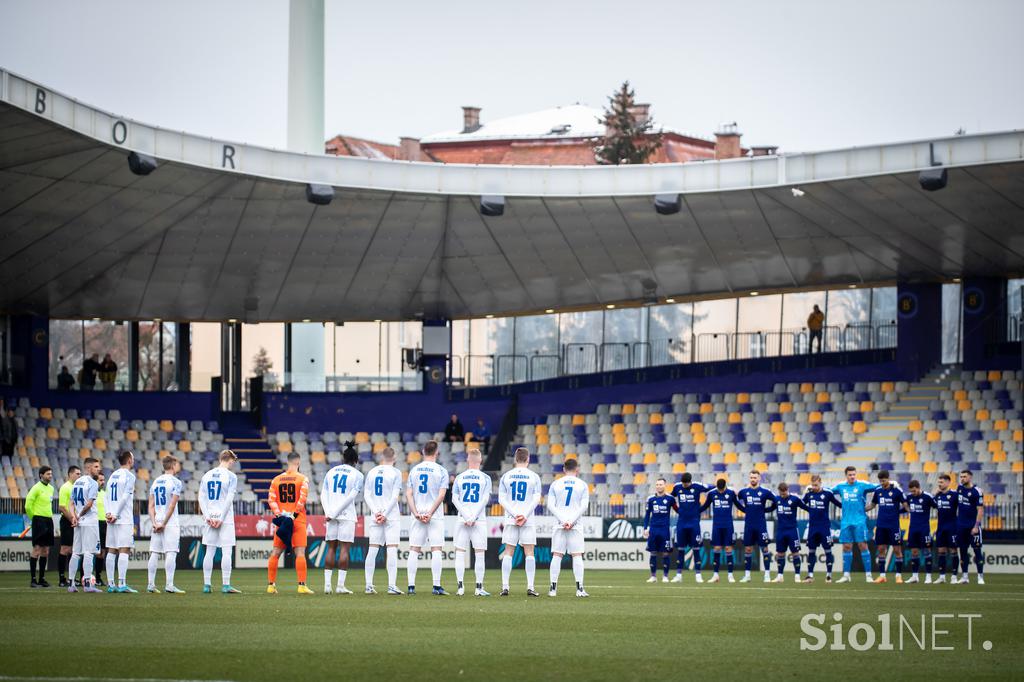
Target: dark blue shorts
column 787, row 540
column 819, row 537
column 965, row 539
column 722, row 537
column 689, row 536
column 888, row 536
column 917, row 539
column 945, row 537
column 755, row 536
column 659, row 541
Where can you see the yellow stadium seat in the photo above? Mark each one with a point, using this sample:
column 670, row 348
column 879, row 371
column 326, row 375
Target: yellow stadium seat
column 814, row 417
column 859, row 427
column 557, row 449
column 706, row 408
column 543, row 439
column 989, row 499
column 84, row 452
column 362, row 437
column 599, row 468
column 715, row 448
column 908, row 446
column 867, row 406
column 804, row 480
column 616, row 498
column 995, row 375
column 778, row 427
column 696, row 427
column 933, row 436
column 657, row 418
column 796, row 448
column 915, row 425
column 163, row 453
column 143, row 474
column 813, row 457
column 34, row 461
column 806, row 387
column 963, row 405
column 779, row 437
column 379, row 447
column 635, row 449
column 1001, row 425
column 414, row 457
column 29, row 440
column 761, row 466
column 1018, row 436
column 317, row 457
column 742, row 398
column 909, row 457
column 19, row 472
column 1017, row 466
column 960, row 395
column 166, row 426
column 100, row 444
column 735, row 418
column 888, row 387
column 999, row 456
column 700, row 438
column 650, row 458
column 640, row 478
column 540, row 428
column 184, row 446
column 132, row 435
column 620, row 439
column 81, row 424
column 981, row 415
column 579, row 420
column 731, row 458
column 785, row 407
column 46, row 413
column 995, row 446
column 994, row 522
column 618, row 428
column 285, row 447
column 931, row 467
column 679, row 468
column 629, row 409
column 823, row 397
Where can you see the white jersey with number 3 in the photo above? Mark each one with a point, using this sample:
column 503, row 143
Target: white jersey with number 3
column 427, row 480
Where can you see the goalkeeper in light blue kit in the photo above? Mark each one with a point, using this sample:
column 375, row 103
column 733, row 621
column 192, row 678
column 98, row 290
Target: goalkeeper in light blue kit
column 854, row 525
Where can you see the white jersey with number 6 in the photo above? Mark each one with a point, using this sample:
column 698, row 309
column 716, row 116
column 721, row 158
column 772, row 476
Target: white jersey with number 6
column 381, row 491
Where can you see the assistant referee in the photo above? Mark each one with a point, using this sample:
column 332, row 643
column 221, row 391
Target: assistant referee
column 39, row 509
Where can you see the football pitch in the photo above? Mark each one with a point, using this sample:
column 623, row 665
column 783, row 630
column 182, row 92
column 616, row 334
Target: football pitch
column 627, row 630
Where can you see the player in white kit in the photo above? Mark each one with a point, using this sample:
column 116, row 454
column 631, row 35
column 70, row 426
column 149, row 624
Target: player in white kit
column 85, row 521
column 568, row 499
column 381, row 492
column 216, row 499
column 163, row 514
column 120, row 522
column 471, row 494
column 341, row 489
column 519, row 494
column 424, row 494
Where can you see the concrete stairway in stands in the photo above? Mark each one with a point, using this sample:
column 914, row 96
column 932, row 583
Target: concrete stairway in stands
column 256, row 459
column 875, row 444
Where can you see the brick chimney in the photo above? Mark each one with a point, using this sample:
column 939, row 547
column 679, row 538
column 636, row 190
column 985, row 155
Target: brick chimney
column 727, row 142
column 470, row 119
column 641, row 113
column 409, row 149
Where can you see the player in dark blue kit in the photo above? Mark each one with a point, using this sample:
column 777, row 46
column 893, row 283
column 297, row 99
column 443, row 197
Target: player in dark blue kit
column 657, row 528
column 787, row 537
column 945, row 530
column 919, row 534
column 819, row 526
column 688, row 534
column 890, row 502
column 723, row 534
column 758, row 502
column 970, row 512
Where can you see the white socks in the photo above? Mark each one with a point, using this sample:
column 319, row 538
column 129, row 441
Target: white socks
column 531, row 569
column 170, row 563
column 392, row 564
column 460, row 565
column 73, row 568
column 154, row 562
column 435, row 567
column 208, row 565
column 411, row 565
column 556, row 568
column 122, row 569
column 328, row 577
column 341, row 577
column 225, row 567
column 577, row 570
column 111, row 567
column 370, row 564
column 88, row 577
column 506, row 571
column 479, row 568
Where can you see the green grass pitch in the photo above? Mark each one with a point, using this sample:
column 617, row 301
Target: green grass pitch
column 627, row 630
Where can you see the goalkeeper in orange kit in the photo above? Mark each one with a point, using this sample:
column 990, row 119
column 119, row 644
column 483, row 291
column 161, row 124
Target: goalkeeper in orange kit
column 287, row 501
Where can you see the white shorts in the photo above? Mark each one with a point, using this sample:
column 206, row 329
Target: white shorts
column 340, row 530
column 87, row 540
column 427, row 534
column 219, row 537
column 475, row 534
column 519, row 535
column 379, row 534
column 167, row 540
column 567, row 541
column 120, row 536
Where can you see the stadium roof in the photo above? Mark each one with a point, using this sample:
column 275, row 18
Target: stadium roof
column 223, row 230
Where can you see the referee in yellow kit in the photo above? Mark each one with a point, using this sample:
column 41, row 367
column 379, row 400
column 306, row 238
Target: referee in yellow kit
column 39, row 509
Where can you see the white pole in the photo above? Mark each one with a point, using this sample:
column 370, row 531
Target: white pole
column 306, row 76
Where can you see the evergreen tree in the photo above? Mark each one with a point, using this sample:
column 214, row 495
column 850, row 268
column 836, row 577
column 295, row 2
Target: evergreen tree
column 626, row 140
column 261, row 366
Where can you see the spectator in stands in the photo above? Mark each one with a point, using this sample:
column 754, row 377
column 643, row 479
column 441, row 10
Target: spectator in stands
column 454, row 431
column 815, row 324
column 8, row 433
column 481, row 433
column 65, row 381
column 87, row 377
column 108, row 373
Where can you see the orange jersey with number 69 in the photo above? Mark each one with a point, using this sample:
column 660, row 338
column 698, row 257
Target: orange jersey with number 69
column 288, row 493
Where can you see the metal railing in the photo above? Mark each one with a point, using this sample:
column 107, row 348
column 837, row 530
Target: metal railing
column 589, row 358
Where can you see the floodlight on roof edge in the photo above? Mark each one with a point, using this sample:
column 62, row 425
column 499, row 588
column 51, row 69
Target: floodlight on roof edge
column 667, row 204
column 492, row 205
column 319, row 195
column 141, row 164
column 934, row 178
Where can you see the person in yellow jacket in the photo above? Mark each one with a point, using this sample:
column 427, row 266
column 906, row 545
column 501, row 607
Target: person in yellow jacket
column 101, row 500
column 815, row 325
column 39, row 509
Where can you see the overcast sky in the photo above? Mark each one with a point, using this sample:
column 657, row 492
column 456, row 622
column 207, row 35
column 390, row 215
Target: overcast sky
column 802, row 75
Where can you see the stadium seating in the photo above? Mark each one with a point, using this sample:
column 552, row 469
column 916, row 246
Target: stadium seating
column 59, row 438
